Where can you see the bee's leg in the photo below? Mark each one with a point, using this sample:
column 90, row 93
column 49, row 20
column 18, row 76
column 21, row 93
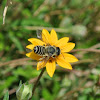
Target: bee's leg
column 45, row 56
column 48, row 44
column 42, row 58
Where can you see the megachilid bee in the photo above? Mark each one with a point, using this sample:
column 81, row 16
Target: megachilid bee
column 46, row 51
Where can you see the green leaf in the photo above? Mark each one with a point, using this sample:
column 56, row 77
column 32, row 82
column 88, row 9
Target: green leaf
column 16, row 41
column 66, row 22
column 87, row 90
column 20, row 83
column 34, row 21
column 84, row 97
column 56, row 87
column 1, row 41
column 23, row 72
column 6, row 96
column 46, row 94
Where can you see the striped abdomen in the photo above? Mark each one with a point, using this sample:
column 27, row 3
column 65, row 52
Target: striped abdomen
column 40, row 50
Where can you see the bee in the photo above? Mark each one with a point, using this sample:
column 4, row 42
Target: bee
column 50, row 51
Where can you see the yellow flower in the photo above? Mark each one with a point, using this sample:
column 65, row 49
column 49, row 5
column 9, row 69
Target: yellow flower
column 63, row 59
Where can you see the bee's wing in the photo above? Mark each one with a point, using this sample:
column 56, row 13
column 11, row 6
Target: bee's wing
column 39, row 34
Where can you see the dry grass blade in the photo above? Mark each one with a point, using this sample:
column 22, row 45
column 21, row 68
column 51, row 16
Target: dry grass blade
column 60, row 30
column 14, row 61
column 5, row 10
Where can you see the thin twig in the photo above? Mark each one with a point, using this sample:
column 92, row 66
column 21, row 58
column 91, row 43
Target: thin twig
column 88, row 50
column 36, row 83
column 96, row 46
column 83, row 61
column 38, row 80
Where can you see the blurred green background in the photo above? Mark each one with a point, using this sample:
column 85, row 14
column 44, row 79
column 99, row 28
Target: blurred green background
column 77, row 19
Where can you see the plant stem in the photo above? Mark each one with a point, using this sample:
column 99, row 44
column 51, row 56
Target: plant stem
column 37, row 81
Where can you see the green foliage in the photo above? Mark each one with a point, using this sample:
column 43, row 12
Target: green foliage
column 34, row 21
column 47, row 95
column 80, row 20
column 15, row 41
column 6, row 96
column 24, row 72
column 1, row 41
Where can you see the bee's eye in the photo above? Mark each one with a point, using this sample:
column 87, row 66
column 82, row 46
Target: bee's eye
column 53, row 56
column 36, row 49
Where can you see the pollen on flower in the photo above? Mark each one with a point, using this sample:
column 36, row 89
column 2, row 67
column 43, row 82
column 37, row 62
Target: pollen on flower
column 50, row 51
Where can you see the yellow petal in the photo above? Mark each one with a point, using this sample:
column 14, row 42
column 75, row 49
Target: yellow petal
column 33, row 55
column 54, row 37
column 31, row 46
column 62, row 42
column 36, row 41
column 68, row 47
column 46, row 36
column 40, row 65
column 63, row 63
column 50, row 67
column 68, row 57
